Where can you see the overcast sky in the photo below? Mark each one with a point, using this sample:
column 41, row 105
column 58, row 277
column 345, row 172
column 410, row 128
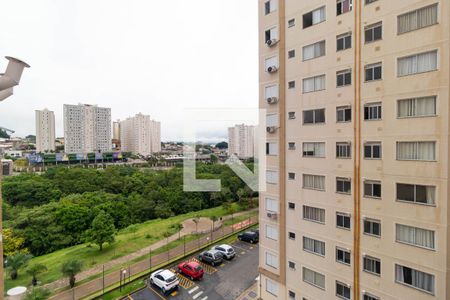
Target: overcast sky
column 155, row 57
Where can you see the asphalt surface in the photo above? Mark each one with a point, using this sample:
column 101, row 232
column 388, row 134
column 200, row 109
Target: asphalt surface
column 224, row 282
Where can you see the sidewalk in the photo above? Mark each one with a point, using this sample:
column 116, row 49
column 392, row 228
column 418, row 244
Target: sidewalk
column 250, row 293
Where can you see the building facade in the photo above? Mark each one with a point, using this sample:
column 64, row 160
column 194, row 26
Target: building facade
column 141, row 135
column 45, row 130
column 357, row 100
column 87, row 128
column 241, row 141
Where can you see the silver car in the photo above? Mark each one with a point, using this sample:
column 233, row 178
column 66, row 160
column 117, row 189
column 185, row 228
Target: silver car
column 226, row 250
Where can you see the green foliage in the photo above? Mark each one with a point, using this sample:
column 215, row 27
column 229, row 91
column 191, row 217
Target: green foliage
column 3, row 134
column 35, row 270
column 222, row 145
column 70, row 269
column 37, row 293
column 12, row 244
column 102, row 230
column 15, row 262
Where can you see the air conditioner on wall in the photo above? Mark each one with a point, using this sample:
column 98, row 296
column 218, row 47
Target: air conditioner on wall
column 272, row 215
column 271, row 42
column 272, row 69
column 272, row 100
column 271, row 129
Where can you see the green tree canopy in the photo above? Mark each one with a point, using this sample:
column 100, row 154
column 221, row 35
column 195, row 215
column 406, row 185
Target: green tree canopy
column 70, row 269
column 102, row 230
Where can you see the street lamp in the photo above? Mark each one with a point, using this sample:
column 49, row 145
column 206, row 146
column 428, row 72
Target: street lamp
column 123, row 273
column 8, row 81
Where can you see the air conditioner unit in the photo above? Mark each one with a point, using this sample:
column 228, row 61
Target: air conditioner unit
column 272, row 215
column 271, row 129
column 272, row 69
column 272, row 100
column 271, row 42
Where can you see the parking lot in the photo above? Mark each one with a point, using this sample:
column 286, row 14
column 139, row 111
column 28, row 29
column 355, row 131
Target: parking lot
column 224, row 282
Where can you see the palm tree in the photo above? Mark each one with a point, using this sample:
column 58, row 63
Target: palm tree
column 71, row 268
column 196, row 219
column 213, row 219
column 35, row 270
column 167, row 234
column 178, row 227
column 15, row 262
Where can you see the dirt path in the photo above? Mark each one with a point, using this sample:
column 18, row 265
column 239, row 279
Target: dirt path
column 189, row 227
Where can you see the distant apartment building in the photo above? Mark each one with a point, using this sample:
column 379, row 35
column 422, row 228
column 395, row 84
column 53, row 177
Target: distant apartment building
column 87, row 128
column 116, row 130
column 357, row 199
column 45, row 130
column 241, row 140
column 140, row 134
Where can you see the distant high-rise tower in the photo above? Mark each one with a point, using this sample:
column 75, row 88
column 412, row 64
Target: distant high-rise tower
column 241, row 140
column 45, row 130
column 116, row 130
column 87, row 128
column 140, row 134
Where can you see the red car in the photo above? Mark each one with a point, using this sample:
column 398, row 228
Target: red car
column 191, row 269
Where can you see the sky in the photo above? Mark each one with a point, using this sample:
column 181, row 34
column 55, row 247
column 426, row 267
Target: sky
column 161, row 58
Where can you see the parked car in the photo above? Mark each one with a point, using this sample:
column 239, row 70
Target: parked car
column 249, row 236
column 191, row 269
column 212, row 257
column 256, row 230
column 226, row 250
column 165, row 280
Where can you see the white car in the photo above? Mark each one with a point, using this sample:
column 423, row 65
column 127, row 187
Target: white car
column 165, row 280
column 226, row 250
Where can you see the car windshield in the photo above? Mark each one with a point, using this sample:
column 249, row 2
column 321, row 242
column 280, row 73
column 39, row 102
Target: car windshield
column 230, row 250
column 170, row 279
column 197, row 268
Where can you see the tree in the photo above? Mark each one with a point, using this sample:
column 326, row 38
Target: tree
column 35, row 270
column 229, row 208
column 178, row 227
column 12, row 244
column 222, row 145
column 213, row 220
column 37, row 293
column 214, row 158
column 70, row 269
column 3, row 134
column 196, row 220
column 102, row 230
column 15, row 262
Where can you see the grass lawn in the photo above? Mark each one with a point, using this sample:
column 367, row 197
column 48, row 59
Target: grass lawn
column 127, row 241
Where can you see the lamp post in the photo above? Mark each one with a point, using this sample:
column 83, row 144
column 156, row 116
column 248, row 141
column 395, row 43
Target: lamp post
column 8, row 80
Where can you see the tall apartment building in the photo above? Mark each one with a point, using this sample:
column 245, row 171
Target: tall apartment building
column 87, row 128
column 45, row 130
column 140, row 134
column 116, row 130
column 241, row 140
column 357, row 98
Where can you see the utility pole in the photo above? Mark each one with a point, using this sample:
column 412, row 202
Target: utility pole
column 8, row 80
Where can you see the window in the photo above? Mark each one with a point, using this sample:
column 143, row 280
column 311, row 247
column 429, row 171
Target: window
column 343, row 256
column 291, row 265
column 417, row 19
column 291, row 235
column 291, row 146
column 372, row 189
column 372, row 111
column 272, row 177
column 291, row 205
column 291, row 23
column 271, row 34
column 313, row 246
column 291, row 295
column 414, row 278
column 343, row 114
column 272, row 148
column 272, row 120
column 314, row 278
column 291, row 53
column 272, row 287
column 344, row 78
column 425, row 151
column 344, row 41
column 414, row 236
column 372, row 150
column 271, row 260
column 342, row 290
column 421, row 194
column 291, row 115
column 291, row 176
column 314, row 116
column 343, row 150
column 415, row 64
column 270, row 6
column 314, row 17
column 416, row 107
column 372, row 227
column 314, row 50
column 271, row 91
column 367, row 296
column 314, row 214
column 343, row 220
column 271, row 63
column 272, row 232
column 373, row 72
column 343, row 185
column 271, row 205
column 373, row 32
column 313, row 149
column 291, row 84
column 314, row 182
column 368, row 2
column 372, row 265
column 313, row 84
column 343, row 6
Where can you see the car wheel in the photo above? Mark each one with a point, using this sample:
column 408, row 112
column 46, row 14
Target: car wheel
column 213, row 264
column 163, row 289
column 151, row 281
column 191, row 278
column 239, row 238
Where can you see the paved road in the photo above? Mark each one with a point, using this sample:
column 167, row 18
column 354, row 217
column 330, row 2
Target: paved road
column 225, row 282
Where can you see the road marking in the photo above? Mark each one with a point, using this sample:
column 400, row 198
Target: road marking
column 129, row 297
column 242, row 248
column 185, row 282
column 157, row 293
column 243, row 252
column 197, row 295
column 193, row 290
column 204, row 298
column 207, row 268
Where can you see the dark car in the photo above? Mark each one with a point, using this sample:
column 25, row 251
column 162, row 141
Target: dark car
column 212, row 257
column 191, row 269
column 249, row 236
